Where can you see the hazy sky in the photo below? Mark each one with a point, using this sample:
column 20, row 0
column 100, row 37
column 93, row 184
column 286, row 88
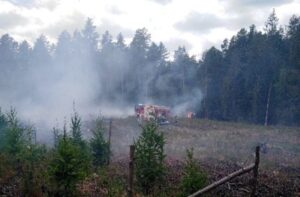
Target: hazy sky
column 196, row 24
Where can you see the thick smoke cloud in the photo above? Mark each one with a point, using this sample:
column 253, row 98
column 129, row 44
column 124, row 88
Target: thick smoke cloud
column 95, row 75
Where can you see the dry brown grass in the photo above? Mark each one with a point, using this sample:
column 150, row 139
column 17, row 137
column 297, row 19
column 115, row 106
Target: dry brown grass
column 224, row 141
column 234, row 142
column 222, row 148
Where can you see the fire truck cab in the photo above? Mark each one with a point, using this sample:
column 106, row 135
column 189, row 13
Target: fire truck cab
column 146, row 112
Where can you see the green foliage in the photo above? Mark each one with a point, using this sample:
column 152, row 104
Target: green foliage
column 230, row 84
column 20, row 157
column 113, row 184
column 3, row 127
column 76, row 136
column 149, row 156
column 34, row 160
column 76, row 130
column 16, row 136
column 193, row 178
column 71, row 161
column 6, row 169
column 99, row 147
column 68, row 166
column 247, row 81
column 212, row 70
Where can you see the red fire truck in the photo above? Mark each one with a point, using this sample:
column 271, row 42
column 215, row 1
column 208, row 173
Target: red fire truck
column 147, row 112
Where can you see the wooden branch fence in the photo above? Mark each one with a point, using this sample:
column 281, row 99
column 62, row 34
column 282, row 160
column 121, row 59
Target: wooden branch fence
column 253, row 167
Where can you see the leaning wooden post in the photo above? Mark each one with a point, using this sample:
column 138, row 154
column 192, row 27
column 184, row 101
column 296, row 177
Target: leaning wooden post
column 109, row 140
column 255, row 171
column 130, row 176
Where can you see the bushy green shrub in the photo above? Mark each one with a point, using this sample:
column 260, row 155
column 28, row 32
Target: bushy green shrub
column 193, row 177
column 71, row 161
column 22, row 159
column 67, row 167
column 149, row 156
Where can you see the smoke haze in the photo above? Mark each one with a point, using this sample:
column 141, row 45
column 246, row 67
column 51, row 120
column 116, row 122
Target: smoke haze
column 94, row 75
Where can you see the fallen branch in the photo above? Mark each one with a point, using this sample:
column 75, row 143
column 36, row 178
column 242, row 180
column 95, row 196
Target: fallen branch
column 227, row 178
column 223, row 180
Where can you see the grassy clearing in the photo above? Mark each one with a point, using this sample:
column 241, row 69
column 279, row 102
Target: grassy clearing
column 235, row 142
column 217, row 140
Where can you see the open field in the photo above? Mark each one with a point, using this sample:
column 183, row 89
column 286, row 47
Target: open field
column 219, row 147
column 222, row 148
column 224, row 141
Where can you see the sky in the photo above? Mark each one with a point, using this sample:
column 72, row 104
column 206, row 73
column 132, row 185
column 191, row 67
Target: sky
column 195, row 24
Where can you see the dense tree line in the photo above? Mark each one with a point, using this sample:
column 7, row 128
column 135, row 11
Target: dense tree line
column 255, row 77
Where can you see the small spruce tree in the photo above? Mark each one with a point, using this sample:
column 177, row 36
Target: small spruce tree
column 149, row 156
column 100, row 148
column 55, row 136
column 14, row 135
column 193, row 178
column 67, row 167
column 70, row 163
column 76, row 129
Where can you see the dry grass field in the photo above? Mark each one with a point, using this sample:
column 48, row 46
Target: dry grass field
column 223, row 141
column 222, row 148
